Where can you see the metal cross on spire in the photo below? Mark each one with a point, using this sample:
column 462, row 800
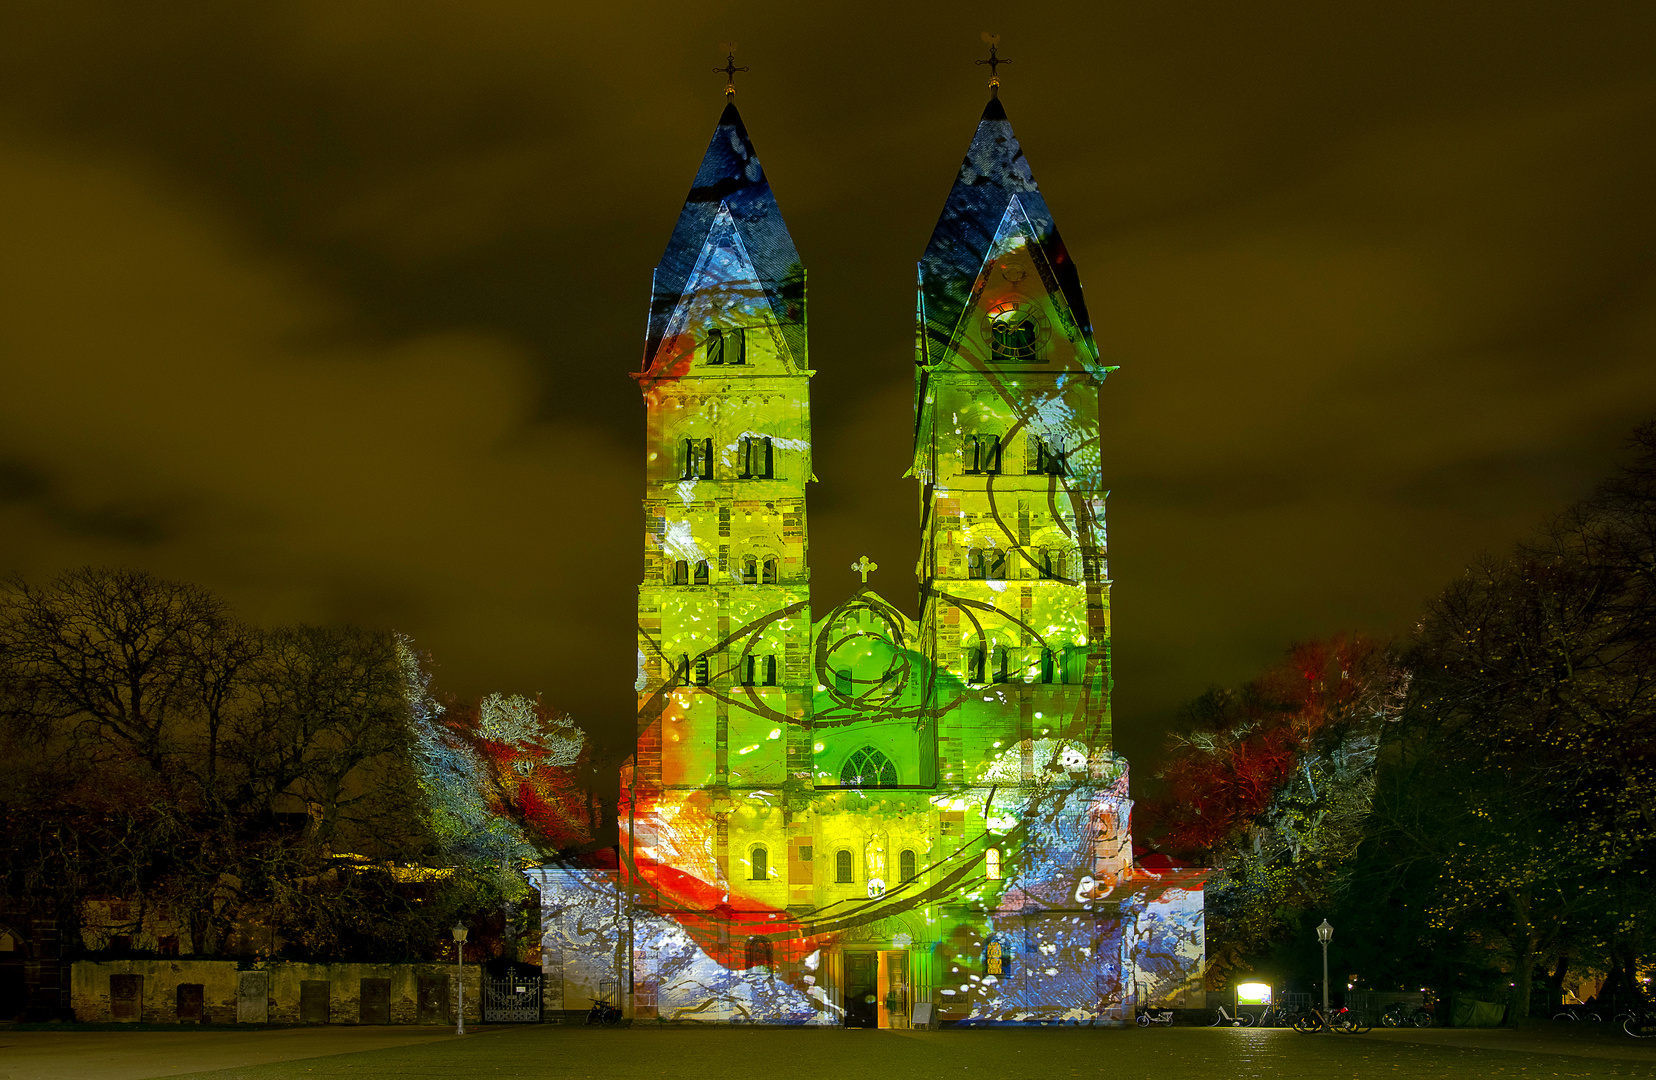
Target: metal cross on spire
column 864, row 565
column 730, row 69
column 994, row 62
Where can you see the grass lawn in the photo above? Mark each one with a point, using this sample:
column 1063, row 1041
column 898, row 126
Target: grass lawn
column 652, row 1053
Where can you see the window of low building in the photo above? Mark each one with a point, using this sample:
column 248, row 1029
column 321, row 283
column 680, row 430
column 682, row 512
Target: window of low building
column 842, row 867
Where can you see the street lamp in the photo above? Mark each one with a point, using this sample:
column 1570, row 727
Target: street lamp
column 1325, row 933
column 460, row 978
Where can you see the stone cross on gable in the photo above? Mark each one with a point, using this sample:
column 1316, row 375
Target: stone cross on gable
column 863, row 566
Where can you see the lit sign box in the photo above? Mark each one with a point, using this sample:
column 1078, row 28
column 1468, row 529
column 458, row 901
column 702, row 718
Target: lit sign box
column 1253, row 994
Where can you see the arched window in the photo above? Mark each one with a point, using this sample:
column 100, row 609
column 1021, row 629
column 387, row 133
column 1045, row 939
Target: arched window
column 698, row 459
column 991, row 864
column 759, row 859
column 974, row 666
column 681, row 572
column 868, row 768
column 756, row 458
column 750, row 570
column 974, row 563
column 772, row 571
column 1001, row 663
column 905, row 866
column 770, row 670
column 1047, row 666
column 842, row 866
column 701, row 573
column 715, row 346
column 760, row 953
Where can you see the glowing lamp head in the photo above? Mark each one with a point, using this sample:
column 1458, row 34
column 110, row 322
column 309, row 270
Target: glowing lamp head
column 1253, row 994
column 1325, row 932
column 459, row 934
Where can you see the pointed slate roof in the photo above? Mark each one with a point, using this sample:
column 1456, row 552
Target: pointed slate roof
column 993, row 174
column 731, row 176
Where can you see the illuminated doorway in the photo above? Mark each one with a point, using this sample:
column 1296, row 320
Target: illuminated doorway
column 894, row 1002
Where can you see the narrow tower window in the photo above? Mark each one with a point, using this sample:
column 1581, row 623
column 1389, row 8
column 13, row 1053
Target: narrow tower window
column 905, row 866
column 1046, row 665
column 974, row 666
column 715, row 346
column 770, row 671
column 681, row 573
column 842, row 866
column 772, row 571
column 761, row 863
column 701, row 671
column 1050, row 458
column 750, row 570
column 701, row 573
column 757, row 458
column 735, row 346
column 991, row 864
column 982, row 453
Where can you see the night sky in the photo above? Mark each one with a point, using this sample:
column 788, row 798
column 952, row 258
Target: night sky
column 329, row 307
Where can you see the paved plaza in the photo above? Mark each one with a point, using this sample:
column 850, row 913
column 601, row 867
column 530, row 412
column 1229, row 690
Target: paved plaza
column 649, row 1053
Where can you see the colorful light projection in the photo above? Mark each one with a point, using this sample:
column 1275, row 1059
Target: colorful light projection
column 866, row 819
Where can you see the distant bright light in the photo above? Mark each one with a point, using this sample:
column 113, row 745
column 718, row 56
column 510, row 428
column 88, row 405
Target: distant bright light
column 1253, row 994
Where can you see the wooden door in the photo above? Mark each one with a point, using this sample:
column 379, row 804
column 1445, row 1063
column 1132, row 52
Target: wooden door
column 375, row 1001
column 315, row 1001
column 126, row 996
column 862, row 989
column 432, row 1005
column 191, row 1002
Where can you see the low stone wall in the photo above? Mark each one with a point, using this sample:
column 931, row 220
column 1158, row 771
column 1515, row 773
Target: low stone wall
column 222, row 992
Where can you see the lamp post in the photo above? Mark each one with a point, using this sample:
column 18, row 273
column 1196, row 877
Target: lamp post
column 1325, row 933
column 460, row 978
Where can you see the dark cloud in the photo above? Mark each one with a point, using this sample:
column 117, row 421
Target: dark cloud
column 330, row 307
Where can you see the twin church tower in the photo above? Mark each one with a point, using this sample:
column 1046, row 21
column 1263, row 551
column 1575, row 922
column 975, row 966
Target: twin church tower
column 855, row 817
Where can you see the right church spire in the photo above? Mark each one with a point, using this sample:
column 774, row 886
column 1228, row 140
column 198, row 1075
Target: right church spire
column 994, row 176
column 1014, row 588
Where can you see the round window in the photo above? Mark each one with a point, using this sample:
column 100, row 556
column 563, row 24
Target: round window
column 1017, row 334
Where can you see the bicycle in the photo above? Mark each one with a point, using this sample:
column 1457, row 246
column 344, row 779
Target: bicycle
column 602, row 1012
column 1641, row 1023
column 1571, row 1013
column 1398, row 1014
column 1277, row 1016
column 1220, row 1016
column 1340, row 1021
column 1146, row 1018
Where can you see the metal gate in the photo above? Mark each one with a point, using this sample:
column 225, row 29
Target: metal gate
column 514, row 999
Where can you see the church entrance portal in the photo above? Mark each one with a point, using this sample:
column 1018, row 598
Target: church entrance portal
column 877, row 989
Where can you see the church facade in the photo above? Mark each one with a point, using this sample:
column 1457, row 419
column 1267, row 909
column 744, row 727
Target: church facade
column 854, row 817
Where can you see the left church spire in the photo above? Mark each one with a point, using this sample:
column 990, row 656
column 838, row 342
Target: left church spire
column 731, row 195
